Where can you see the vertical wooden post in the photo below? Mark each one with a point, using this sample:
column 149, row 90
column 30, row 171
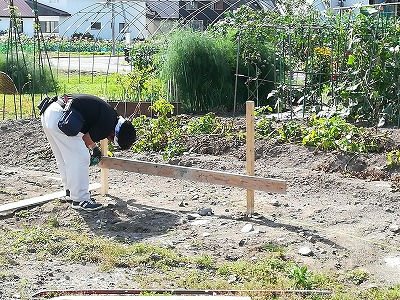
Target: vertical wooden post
column 104, row 171
column 250, row 152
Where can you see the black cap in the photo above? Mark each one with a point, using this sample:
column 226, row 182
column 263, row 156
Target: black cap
column 126, row 135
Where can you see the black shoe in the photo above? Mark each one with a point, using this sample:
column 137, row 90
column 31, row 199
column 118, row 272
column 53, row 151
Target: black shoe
column 88, row 205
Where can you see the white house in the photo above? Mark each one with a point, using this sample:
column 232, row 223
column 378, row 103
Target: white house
column 23, row 10
column 109, row 19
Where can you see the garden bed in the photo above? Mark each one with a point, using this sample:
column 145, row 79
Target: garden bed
column 347, row 221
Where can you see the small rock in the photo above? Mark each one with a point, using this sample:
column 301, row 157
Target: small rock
column 241, row 243
column 232, row 278
column 205, row 234
column 275, row 203
column 247, row 228
column 394, row 228
column 392, row 261
column 183, row 204
column 305, row 251
column 193, row 216
column 205, row 212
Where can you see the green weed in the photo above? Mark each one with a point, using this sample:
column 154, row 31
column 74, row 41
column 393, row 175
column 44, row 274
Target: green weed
column 269, row 247
column 53, row 221
column 393, row 159
column 357, row 276
column 207, row 124
column 301, row 277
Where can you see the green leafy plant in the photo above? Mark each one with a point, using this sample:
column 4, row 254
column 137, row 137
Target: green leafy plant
column 290, row 132
column 162, row 108
column 208, row 123
column 393, row 159
column 335, row 133
column 159, row 134
column 301, row 277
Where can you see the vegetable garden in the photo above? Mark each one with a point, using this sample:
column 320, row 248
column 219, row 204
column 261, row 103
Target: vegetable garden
column 337, row 65
column 344, row 63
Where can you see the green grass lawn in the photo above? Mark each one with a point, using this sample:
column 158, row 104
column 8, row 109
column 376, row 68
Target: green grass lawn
column 103, row 86
column 25, row 105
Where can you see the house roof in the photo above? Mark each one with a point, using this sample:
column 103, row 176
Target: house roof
column 170, row 9
column 23, row 8
column 45, row 10
column 162, row 9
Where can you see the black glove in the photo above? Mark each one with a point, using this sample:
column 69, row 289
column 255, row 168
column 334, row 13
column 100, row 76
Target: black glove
column 95, row 156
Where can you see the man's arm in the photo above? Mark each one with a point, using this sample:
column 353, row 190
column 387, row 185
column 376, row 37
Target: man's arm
column 88, row 141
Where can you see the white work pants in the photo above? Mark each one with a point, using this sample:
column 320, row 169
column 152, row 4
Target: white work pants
column 72, row 156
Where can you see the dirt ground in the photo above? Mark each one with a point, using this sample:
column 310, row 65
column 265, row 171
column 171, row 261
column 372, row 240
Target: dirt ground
column 348, row 222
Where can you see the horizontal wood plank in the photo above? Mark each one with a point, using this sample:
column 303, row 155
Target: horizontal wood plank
column 195, row 174
column 39, row 200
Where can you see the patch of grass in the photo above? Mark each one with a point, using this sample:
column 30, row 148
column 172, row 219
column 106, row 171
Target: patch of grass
column 18, row 106
column 301, row 277
column 204, row 262
column 53, row 221
column 393, row 159
column 159, row 267
column 25, row 105
column 23, row 214
column 102, row 86
column 357, row 276
column 269, row 247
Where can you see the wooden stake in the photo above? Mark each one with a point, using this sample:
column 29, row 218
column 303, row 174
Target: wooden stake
column 194, row 174
column 250, row 152
column 104, row 172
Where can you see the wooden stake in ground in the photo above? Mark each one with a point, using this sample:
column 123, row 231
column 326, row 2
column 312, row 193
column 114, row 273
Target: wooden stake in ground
column 104, row 172
column 250, row 152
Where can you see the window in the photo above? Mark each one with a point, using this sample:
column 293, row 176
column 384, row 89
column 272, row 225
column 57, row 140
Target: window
column 192, row 5
column 219, row 5
column 197, row 25
column 121, row 28
column 49, row 26
column 95, row 25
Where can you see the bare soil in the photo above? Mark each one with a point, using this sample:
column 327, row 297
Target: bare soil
column 344, row 208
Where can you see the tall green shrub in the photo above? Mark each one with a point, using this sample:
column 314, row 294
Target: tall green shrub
column 199, row 66
column 28, row 77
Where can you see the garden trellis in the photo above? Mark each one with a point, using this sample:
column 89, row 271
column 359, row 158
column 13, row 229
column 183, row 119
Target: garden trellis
column 349, row 60
column 25, row 64
column 343, row 62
